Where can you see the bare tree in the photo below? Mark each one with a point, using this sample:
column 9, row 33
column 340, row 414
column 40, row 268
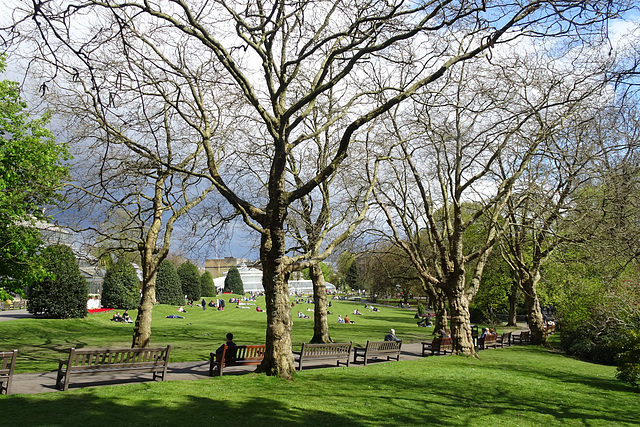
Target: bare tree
column 283, row 58
column 460, row 152
column 130, row 198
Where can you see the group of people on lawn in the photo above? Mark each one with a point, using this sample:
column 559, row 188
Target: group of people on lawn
column 124, row 318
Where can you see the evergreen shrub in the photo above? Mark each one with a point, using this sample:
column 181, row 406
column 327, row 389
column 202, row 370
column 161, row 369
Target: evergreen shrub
column 168, row 288
column 189, row 280
column 63, row 294
column 121, row 287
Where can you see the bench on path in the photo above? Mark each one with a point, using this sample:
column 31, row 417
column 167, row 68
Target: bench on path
column 328, row 351
column 503, row 339
column 438, row 345
column 377, row 348
column 238, row 355
column 523, row 337
column 489, row 340
column 111, row 361
column 7, row 364
column 13, row 305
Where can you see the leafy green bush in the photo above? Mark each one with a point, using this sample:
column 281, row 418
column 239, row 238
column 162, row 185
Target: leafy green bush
column 233, row 282
column 64, row 293
column 121, row 288
column 207, row 288
column 189, row 280
column 168, row 288
column 629, row 359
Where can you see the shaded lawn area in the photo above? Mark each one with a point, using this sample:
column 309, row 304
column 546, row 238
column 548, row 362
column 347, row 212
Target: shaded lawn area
column 515, row 386
column 41, row 342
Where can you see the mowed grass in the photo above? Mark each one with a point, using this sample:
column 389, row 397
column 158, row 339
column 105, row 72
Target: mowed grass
column 41, row 342
column 517, row 386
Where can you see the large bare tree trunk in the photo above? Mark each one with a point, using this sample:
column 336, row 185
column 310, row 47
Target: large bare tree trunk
column 460, row 321
column 536, row 323
column 320, row 323
column 142, row 328
column 278, row 358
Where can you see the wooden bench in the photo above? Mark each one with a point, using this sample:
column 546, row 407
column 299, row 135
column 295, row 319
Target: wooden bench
column 378, row 348
column 329, row 351
column 113, row 360
column 235, row 356
column 7, row 364
column 438, row 345
column 523, row 337
column 489, row 340
column 503, row 339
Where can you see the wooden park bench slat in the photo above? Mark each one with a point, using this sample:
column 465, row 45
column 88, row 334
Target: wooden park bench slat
column 329, row 351
column 503, row 339
column 438, row 345
column 7, row 365
column 378, row 348
column 92, row 361
column 523, row 337
column 235, row 356
column 489, row 340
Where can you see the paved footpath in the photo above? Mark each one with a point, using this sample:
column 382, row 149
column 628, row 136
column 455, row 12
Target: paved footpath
column 44, row 382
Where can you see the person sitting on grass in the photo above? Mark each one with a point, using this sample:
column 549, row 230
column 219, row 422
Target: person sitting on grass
column 126, row 318
column 116, row 317
column 347, row 320
column 181, row 310
column 340, row 319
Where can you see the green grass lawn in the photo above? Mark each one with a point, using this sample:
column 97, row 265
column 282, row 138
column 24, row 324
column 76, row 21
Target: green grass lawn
column 41, row 342
column 517, row 386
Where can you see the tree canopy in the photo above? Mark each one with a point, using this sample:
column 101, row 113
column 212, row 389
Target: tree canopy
column 31, row 173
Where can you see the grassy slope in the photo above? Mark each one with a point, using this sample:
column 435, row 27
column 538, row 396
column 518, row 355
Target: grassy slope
column 42, row 341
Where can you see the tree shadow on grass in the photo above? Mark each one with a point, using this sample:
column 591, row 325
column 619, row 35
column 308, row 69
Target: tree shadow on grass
column 87, row 409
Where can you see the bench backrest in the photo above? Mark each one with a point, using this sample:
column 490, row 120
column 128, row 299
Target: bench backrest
column 489, row 338
column 328, row 349
column 245, row 353
column 7, row 362
column 383, row 345
column 118, row 357
column 442, row 343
